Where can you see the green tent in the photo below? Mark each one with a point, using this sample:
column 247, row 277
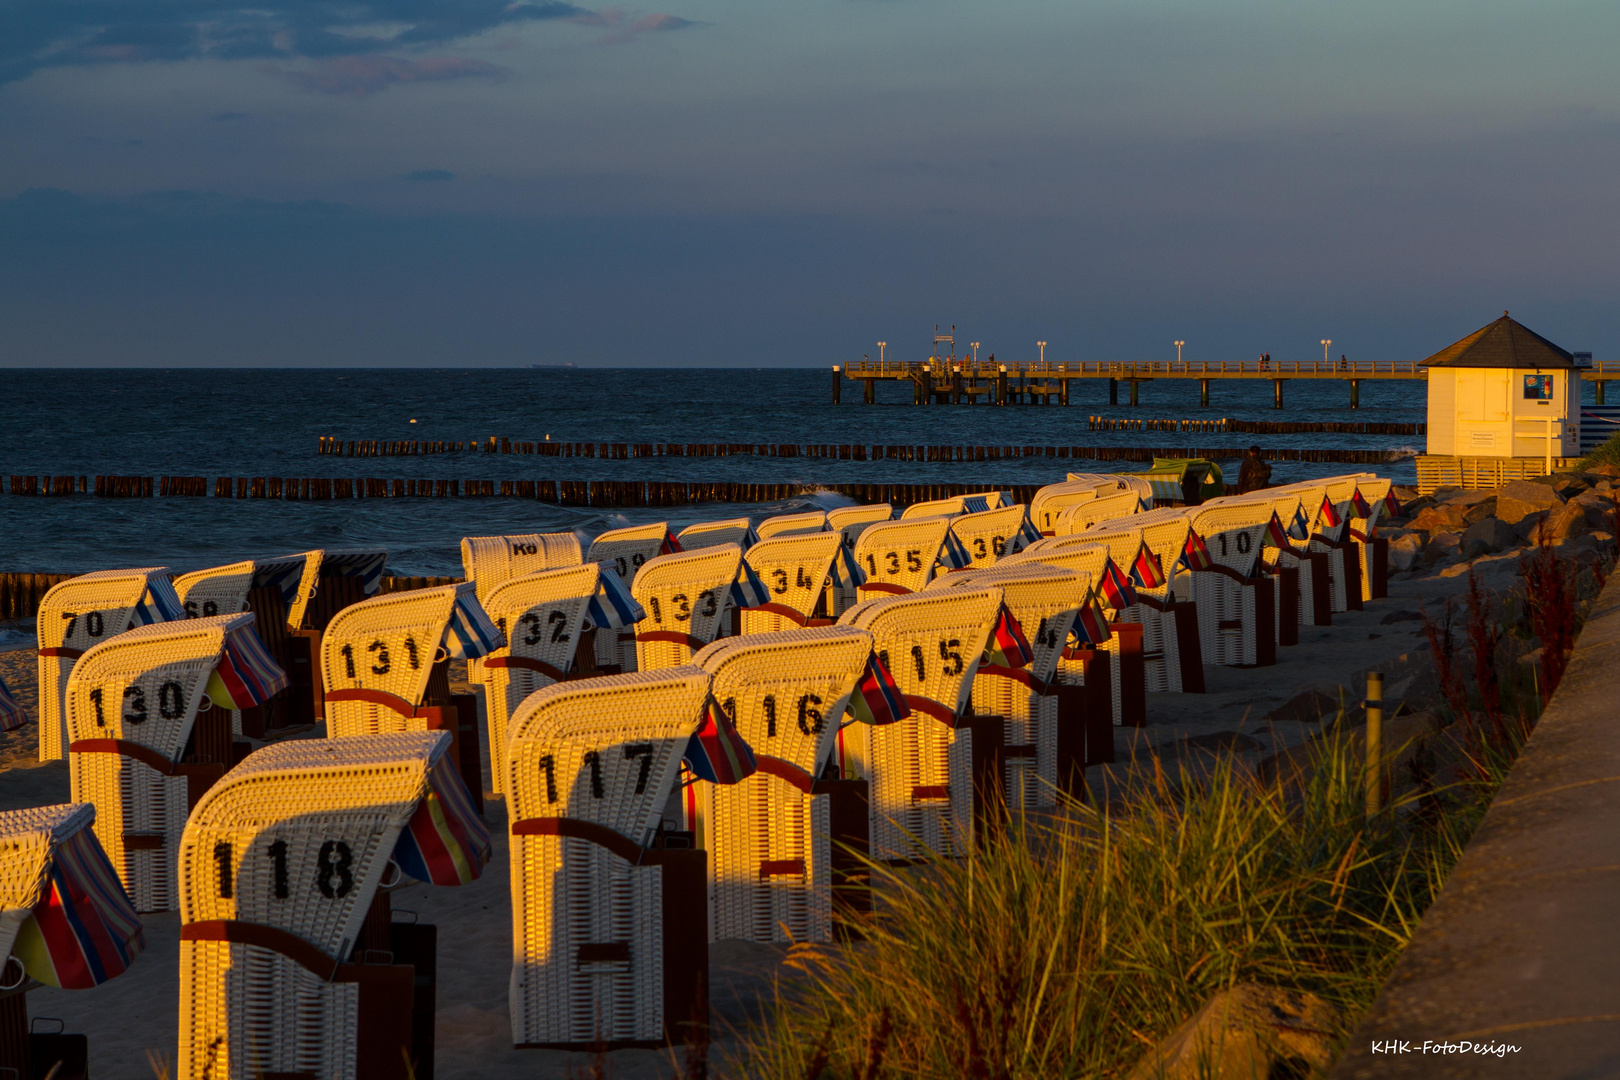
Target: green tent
column 1190, row 480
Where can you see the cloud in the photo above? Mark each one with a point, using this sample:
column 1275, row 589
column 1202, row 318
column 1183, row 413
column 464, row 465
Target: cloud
column 623, row 26
column 358, row 76
column 51, row 33
column 430, row 175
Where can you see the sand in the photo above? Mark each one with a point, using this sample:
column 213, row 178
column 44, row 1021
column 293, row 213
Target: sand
column 137, row 1013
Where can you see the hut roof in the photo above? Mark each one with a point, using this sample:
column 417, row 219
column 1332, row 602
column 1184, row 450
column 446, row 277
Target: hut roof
column 1502, row 344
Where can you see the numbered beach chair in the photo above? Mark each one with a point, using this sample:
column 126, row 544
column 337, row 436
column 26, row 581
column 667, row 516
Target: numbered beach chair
column 935, row 774
column 713, row 533
column 625, row 551
column 491, row 561
column 1294, row 507
column 1044, row 602
column 1371, row 497
column 814, row 521
column 1052, row 500
column 785, row 843
column 688, row 599
column 609, row 915
column 853, row 520
column 547, row 619
column 1270, row 512
column 80, row 613
column 991, row 534
column 132, row 704
column 290, row 962
column 1084, row 516
column 957, row 504
column 385, row 663
column 900, row 557
column 1099, row 685
column 805, row 576
column 64, row 922
column 1237, row 604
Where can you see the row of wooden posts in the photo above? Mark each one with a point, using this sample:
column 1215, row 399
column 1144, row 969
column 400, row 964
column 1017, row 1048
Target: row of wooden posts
column 1256, row 427
column 20, row 594
column 866, row 452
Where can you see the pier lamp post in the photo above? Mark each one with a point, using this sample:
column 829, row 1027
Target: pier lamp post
column 881, row 346
column 974, row 345
column 1325, row 343
column 1179, row 344
column 1042, row 346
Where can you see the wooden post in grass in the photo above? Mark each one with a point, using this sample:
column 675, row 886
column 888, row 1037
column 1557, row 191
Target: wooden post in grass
column 1375, row 739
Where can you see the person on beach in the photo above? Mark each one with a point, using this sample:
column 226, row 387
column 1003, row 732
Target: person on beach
column 1254, row 473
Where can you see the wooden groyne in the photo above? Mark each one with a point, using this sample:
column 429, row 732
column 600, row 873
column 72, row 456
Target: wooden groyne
column 892, row 452
column 1256, row 427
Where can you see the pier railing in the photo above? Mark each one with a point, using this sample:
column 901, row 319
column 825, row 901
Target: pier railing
column 1143, row 369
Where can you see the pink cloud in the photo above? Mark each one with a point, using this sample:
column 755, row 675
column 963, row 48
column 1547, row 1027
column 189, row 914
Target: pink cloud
column 358, row 76
column 623, row 26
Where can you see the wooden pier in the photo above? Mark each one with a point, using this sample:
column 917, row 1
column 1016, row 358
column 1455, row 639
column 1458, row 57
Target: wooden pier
column 953, row 380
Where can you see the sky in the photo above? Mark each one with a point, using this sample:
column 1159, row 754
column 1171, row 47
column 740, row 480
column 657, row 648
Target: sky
column 481, row 183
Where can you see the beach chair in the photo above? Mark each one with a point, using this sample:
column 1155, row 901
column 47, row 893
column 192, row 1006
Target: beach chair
column 135, row 752
column 65, row 922
column 1330, row 533
column 609, row 909
column 333, row 579
column 1091, row 698
column 1368, row 504
column 80, row 613
column 1237, row 603
column 853, row 520
column 385, row 663
column 784, row 844
column 935, row 774
column 290, row 962
column 1083, row 516
column 547, row 619
column 1277, row 553
column 989, row 535
column 814, row 521
column 805, row 575
column 491, row 561
column 1044, row 602
column 902, row 556
column 688, row 598
column 957, row 504
column 1294, row 506
column 714, row 533
column 1049, row 502
column 625, row 551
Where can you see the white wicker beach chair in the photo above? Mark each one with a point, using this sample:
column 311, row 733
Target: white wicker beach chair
column 853, row 520
column 132, row 702
column 64, row 922
column 813, row 521
column 491, row 561
column 290, row 963
column 1045, row 601
column 929, row 773
column 80, row 613
column 609, row 917
column 1278, row 555
column 992, row 534
column 1296, row 506
column 625, row 551
column 805, row 575
column 333, row 579
column 688, row 600
column 547, row 619
column 957, row 504
column 1237, row 604
column 1367, row 506
column 901, row 556
column 1114, row 506
column 771, row 838
column 714, row 533
column 1052, row 500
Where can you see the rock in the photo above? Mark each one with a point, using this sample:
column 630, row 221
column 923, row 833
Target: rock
column 1446, row 517
column 1566, row 484
column 1568, row 523
column 1480, row 511
column 1486, row 537
column 1442, row 545
column 1246, row 1032
column 1519, row 499
column 1526, row 529
column 1404, row 551
column 1307, row 708
column 1604, row 470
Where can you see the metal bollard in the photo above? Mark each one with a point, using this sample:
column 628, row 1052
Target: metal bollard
column 1375, row 741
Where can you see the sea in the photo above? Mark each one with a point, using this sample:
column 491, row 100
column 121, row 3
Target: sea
column 190, row 422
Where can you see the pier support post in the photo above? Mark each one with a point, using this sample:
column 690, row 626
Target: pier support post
column 1001, row 386
column 1355, row 393
column 927, row 387
column 1113, row 391
column 838, row 385
column 956, row 387
column 1203, row 392
column 1063, row 391
column 1601, row 383
column 1134, row 385
column 1278, row 384
column 871, row 391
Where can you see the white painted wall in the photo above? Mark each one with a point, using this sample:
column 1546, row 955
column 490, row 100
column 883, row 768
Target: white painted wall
column 1482, row 412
